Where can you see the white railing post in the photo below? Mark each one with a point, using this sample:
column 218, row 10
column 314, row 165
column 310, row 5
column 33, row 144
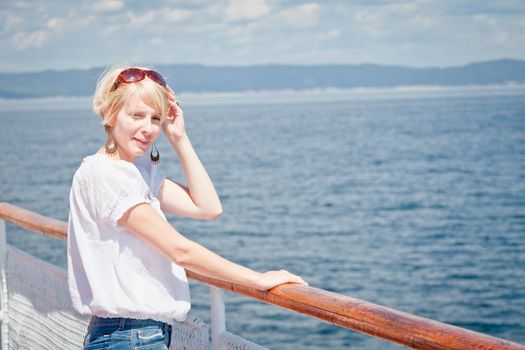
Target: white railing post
column 218, row 317
column 3, row 293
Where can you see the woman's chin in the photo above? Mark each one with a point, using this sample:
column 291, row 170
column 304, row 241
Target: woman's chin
column 139, row 154
column 140, row 150
column 133, row 154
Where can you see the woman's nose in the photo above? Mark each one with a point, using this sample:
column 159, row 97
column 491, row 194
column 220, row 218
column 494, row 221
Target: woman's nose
column 147, row 126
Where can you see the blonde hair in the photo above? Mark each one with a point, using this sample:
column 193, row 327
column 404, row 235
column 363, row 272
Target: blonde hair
column 108, row 102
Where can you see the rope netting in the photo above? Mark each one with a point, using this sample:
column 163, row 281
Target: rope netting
column 40, row 315
column 230, row 341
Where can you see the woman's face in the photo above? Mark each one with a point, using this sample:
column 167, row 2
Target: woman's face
column 136, row 127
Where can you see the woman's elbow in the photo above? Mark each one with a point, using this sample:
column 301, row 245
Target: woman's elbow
column 180, row 255
column 212, row 214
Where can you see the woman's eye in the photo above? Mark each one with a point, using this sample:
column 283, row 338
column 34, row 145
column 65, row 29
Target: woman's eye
column 156, row 117
column 136, row 116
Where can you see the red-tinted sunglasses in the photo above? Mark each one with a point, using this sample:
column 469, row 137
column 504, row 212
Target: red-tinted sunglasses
column 133, row 75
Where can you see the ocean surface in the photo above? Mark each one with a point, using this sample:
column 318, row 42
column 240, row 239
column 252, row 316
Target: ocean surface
column 412, row 198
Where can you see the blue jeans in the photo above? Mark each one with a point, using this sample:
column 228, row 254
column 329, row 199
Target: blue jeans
column 127, row 334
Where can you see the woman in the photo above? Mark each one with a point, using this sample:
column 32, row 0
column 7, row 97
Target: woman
column 125, row 261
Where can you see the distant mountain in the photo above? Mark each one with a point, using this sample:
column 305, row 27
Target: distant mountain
column 199, row 78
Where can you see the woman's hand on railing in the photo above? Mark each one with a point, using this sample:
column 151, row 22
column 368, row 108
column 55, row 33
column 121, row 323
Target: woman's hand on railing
column 271, row 279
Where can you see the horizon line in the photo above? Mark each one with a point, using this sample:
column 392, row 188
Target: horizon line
column 306, row 65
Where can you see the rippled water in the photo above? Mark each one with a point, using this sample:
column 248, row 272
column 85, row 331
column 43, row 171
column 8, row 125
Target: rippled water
column 413, row 200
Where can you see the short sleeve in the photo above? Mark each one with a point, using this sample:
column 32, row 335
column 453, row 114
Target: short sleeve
column 118, row 187
column 152, row 173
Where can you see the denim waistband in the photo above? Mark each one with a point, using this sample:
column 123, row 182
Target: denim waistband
column 123, row 323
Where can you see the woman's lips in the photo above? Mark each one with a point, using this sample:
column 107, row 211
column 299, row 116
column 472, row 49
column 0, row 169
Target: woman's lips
column 142, row 142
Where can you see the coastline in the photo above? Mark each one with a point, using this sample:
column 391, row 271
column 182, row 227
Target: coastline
column 286, row 95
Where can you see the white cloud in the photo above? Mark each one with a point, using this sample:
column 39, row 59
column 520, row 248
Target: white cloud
column 209, row 27
column 176, row 16
column 29, row 40
column 423, row 21
column 484, row 19
column 110, row 30
column 239, row 10
column 11, row 20
column 328, row 35
column 376, row 21
column 55, row 23
column 21, row 4
column 241, row 39
column 141, row 19
column 302, row 16
column 82, row 21
column 334, row 33
column 107, row 6
column 502, row 38
column 158, row 41
column 70, row 23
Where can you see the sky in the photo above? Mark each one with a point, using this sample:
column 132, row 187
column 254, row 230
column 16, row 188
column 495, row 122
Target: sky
column 40, row 35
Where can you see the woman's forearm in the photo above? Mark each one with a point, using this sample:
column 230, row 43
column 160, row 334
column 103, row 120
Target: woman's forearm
column 203, row 261
column 201, row 188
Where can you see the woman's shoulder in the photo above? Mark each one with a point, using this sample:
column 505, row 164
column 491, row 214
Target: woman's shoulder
column 98, row 165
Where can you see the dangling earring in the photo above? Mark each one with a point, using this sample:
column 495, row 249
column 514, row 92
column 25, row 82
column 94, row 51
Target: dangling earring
column 155, row 158
column 110, row 150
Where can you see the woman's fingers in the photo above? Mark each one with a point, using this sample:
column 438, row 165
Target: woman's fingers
column 275, row 278
column 172, row 100
column 295, row 278
column 174, row 104
column 171, row 94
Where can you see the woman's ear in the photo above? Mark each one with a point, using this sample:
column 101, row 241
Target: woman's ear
column 109, row 121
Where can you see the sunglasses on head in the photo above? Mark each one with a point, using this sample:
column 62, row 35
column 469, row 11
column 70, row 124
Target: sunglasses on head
column 133, row 75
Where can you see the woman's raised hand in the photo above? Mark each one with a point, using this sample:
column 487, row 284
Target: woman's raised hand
column 270, row 279
column 173, row 126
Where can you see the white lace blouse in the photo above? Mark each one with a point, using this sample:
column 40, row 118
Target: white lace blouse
column 111, row 272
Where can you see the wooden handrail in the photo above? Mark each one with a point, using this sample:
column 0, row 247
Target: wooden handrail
column 359, row 315
column 33, row 221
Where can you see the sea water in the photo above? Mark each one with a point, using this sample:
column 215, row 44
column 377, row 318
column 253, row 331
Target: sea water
column 412, row 199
